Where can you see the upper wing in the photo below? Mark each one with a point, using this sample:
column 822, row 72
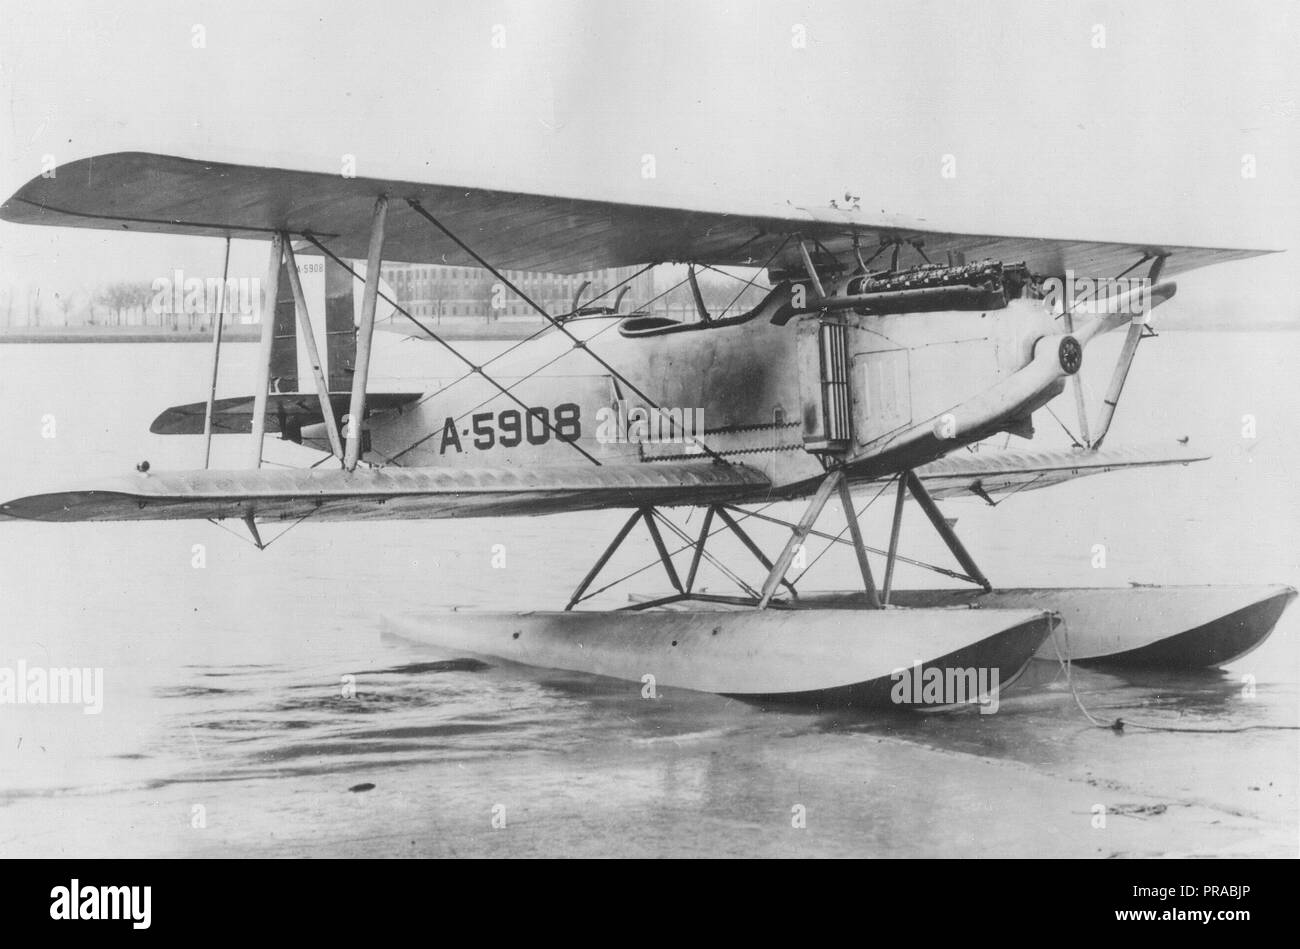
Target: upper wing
column 987, row 473
column 391, row 493
column 546, row 233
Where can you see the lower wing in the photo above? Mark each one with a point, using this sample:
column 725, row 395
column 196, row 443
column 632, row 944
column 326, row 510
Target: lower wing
column 985, row 474
column 425, row 493
column 391, row 493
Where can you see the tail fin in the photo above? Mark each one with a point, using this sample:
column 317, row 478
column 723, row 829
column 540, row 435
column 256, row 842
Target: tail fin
column 340, row 327
column 284, row 346
column 288, row 358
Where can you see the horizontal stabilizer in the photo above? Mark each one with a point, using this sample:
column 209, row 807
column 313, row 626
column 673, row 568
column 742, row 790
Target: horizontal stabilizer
column 391, row 493
column 285, row 412
column 985, row 474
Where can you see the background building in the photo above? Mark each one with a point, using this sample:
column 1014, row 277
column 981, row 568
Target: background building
column 461, row 296
column 439, row 292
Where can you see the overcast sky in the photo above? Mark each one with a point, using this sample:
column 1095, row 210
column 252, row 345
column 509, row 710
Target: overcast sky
column 1142, row 138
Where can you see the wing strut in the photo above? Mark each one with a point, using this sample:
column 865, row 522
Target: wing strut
column 262, row 386
column 216, row 358
column 365, row 333
column 1076, row 382
column 1136, row 329
column 282, row 257
column 309, row 338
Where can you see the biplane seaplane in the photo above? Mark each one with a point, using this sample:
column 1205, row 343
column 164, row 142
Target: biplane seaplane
column 881, row 350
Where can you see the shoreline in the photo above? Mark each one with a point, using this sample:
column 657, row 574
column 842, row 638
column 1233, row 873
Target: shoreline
column 131, row 335
column 509, row 331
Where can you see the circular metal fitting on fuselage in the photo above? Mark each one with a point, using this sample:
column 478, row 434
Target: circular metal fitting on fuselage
column 1070, row 354
column 1069, row 351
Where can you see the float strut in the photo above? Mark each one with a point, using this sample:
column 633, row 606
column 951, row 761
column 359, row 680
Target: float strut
column 699, row 547
column 859, row 549
column 840, row 539
column 753, row 547
column 891, row 558
column 722, row 568
column 950, row 538
column 603, row 559
column 777, row 573
column 648, row 515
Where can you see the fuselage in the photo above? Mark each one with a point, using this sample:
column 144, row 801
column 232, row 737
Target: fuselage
column 909, row 387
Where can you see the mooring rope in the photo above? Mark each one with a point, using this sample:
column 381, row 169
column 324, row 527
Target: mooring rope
column 1121, row 723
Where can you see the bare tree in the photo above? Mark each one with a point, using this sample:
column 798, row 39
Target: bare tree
column 122, row 296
